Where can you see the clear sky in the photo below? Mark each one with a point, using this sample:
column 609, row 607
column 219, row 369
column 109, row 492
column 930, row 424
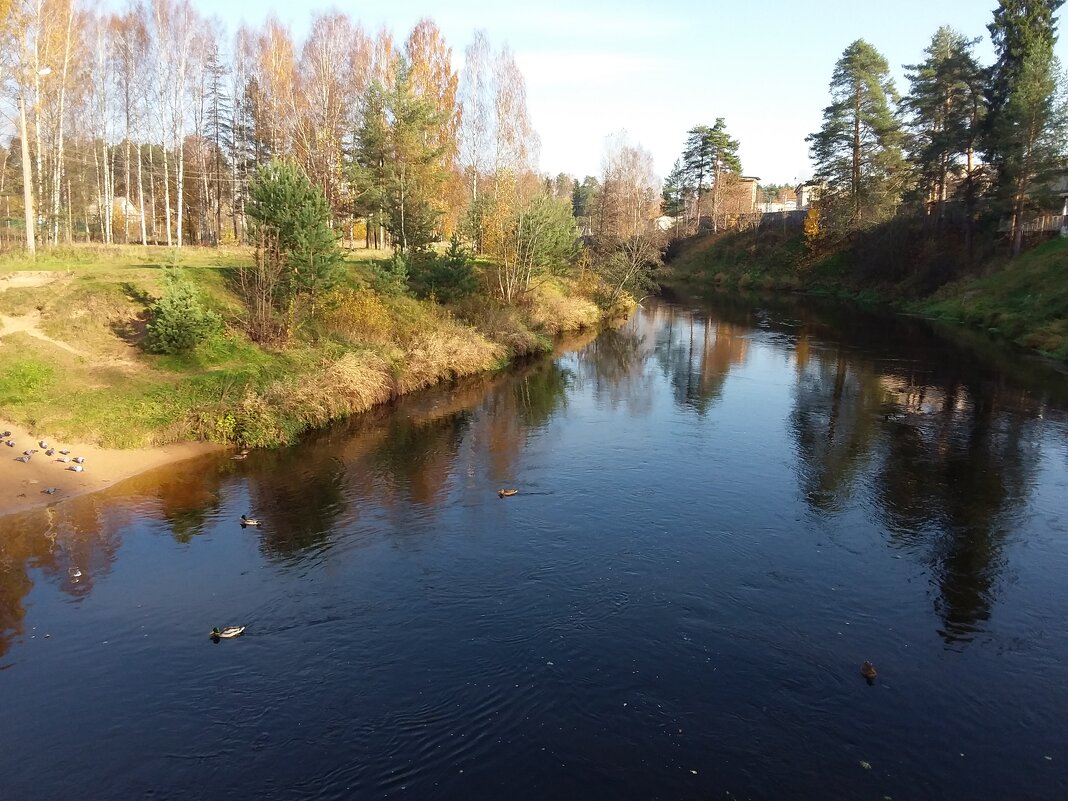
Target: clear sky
column 656, row 69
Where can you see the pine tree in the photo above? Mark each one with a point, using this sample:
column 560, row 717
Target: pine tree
column 1027, row 125
column 857, row 152
column 946, row 108
column 399, row 161
column 707, row 155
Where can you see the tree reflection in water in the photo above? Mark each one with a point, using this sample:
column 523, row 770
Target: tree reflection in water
column 941, row 443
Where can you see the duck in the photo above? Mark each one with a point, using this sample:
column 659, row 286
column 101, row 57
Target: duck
column 249, row 521
column 74, row 572
column 867, row 670
column 227, row 632
column 507, row 493
column 77, row 468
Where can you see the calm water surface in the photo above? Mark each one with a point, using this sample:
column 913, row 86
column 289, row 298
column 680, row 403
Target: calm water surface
column 724, row 509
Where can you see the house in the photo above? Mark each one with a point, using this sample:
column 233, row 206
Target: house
column 806, row 194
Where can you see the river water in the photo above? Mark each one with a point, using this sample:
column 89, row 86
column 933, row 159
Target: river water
column 724, row 508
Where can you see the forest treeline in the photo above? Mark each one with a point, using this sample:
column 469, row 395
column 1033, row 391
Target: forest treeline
column 147, row 126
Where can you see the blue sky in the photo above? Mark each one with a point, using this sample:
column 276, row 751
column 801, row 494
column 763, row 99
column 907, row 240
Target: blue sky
column 655, row 70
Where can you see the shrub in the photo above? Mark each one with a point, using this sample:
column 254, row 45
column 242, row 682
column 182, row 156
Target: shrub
column 179, row 321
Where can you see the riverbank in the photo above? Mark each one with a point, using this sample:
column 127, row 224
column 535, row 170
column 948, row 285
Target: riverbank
column 72, row 369
column 1022, row 300
column 45, row 480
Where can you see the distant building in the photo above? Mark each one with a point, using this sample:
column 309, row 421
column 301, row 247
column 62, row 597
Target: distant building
column 807, row 194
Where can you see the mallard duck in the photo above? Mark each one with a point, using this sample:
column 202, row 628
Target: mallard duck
column 227, row 632
column 249, row 521
column 237, row 457
column 867, row 670
column 507, row 493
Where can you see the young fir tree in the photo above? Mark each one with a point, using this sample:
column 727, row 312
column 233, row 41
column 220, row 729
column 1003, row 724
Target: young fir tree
column 946, row 109
column 707, row 155
column 857, row 152
column 1026, row 125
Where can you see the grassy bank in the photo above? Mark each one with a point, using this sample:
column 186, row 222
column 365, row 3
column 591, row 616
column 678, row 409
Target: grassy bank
column 71, row 362
column 1023, row 300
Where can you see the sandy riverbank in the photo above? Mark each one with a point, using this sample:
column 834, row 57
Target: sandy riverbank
column 23, row 485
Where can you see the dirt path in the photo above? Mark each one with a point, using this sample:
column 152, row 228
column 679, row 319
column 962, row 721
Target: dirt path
column 30, row 324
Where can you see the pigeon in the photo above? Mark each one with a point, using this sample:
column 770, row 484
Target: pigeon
column 77, row 468
column 5, row 434
column 10, row 443
column 50, row 451
column 50, row 491
column 79, row 459
column 23, row 459
column 65, row 452
column 30, row 452
column 43, row 444
column 63, row 459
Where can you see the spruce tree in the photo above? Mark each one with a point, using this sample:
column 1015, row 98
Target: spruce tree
column 857, row 152
column 1026, row 128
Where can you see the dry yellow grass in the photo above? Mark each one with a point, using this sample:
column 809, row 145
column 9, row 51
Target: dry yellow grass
column 555, row 312
column 450, row 351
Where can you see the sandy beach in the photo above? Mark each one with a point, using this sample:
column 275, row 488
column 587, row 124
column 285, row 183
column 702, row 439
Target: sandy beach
column 23, row 485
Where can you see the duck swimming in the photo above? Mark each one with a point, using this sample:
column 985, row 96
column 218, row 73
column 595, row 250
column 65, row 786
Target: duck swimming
column 249, row 521
column 867, row 670
column 227, row 632
column 507, row 493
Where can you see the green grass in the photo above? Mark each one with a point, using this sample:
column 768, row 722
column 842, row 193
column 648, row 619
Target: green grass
column 1024, row 300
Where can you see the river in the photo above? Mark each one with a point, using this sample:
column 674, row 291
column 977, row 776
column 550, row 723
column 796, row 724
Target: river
column 724, row 508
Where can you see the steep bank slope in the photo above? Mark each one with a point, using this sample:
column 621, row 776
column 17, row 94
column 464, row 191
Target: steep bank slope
column 1024, row 300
